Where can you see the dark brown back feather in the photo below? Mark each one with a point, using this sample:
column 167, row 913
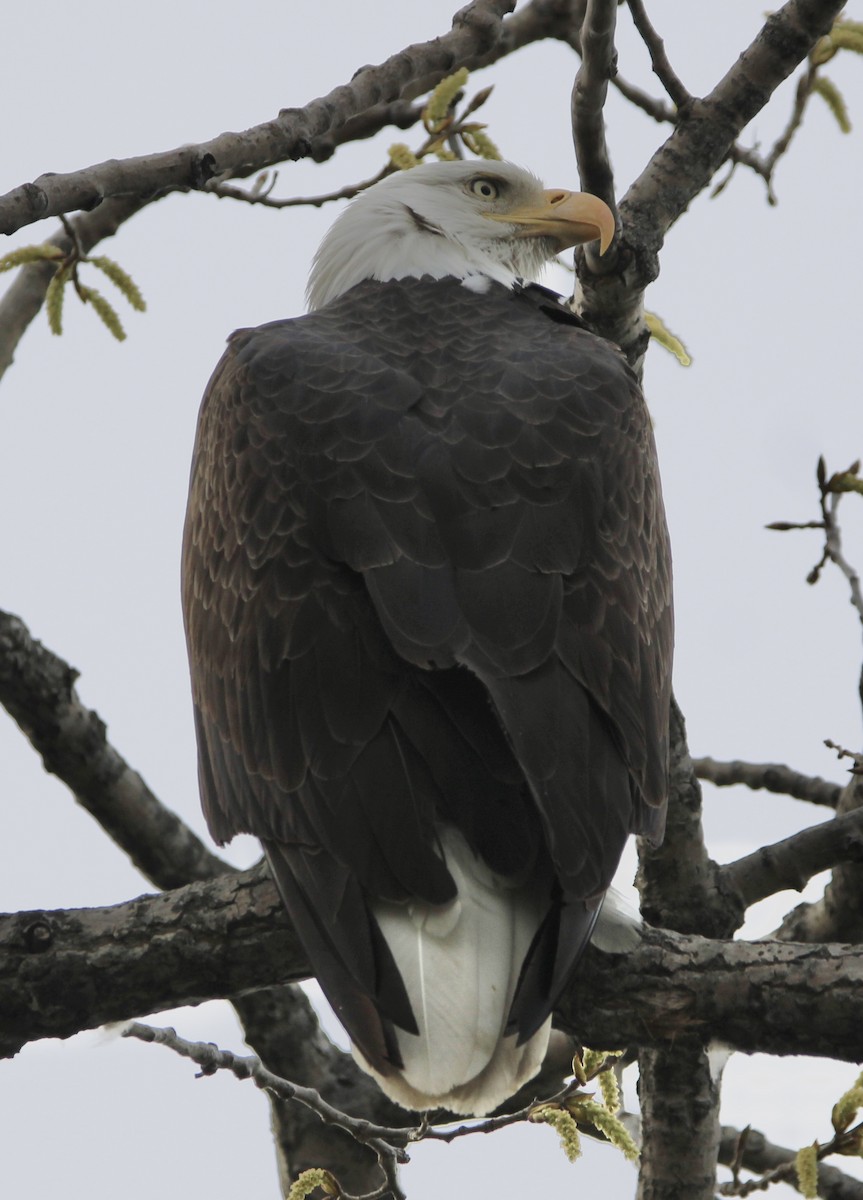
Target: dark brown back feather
column 426, row 578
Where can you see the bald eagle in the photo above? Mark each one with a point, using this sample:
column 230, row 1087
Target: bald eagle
column 426, row 585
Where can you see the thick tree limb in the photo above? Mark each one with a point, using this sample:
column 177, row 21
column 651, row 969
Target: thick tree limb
column 598, row 65
column 69, row 970
column 679, row 1102
column 771, row 777
column 82, row 968
column 293, row 134
column 677, row 172
column 700, row 144
column 278, row 1021
column 37, row 689
column 838, row 915
column 792, row 862
column 678, row 879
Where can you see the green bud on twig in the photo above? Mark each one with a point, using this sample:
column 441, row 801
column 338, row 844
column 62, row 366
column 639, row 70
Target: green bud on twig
column 660, row 332
column 610, row 1091
column 104, row 310
column 29, row 254
column 402, row 157
column 845, row 1109
column 806, row 1166
column 307, row 1181
column 594, row 1113
column 479, row 143
column 436, row 112
column 835, row 101
column 120, row 280
column 564, row 1124
column 54, row 298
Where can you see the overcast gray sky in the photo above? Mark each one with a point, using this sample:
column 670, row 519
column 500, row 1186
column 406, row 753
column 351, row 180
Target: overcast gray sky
column 95, row 441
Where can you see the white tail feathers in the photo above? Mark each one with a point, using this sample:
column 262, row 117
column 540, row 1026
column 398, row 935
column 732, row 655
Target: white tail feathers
column 618, row 926
column 460, row 963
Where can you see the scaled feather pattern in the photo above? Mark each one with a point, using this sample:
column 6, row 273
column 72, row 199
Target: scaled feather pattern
column 427, row 592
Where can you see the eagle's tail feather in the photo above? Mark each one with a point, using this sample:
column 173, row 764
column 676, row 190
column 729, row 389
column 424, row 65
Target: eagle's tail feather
column 460, row 963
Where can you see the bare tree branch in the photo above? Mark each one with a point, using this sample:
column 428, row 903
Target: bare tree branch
column 679, row 1099
column 700, row 142
column 769, row 777
column 679, row 1103
column 792, row 862
column 831, row 489
column 838, row 915
column 833, row 549
column 386, row 1143
column 667, row 114
column 68, row 970
column 759, row 1156
column 589, row 91
column 293, row 134
column 387, row 1140
column 662, row 68
column 678, row 879
column 775, row 1164
column 37, row 689
column 229, row 191
column 283, row 1029
column 661, row 112
column 79, row 969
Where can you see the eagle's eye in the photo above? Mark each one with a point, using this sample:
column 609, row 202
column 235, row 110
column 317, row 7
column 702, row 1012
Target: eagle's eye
column 487, row 189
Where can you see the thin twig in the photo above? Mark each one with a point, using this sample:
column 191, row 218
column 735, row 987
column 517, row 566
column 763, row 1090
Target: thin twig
column 757, row 1154
column 766, row 166
column 452, row 131
column 833, row 546
column 662, row 68
column 230, row 191
column 769, row 777
column 801, row 97
column 387, row 1143
column 654, row 107
column 776, row 1164
column 831, row 489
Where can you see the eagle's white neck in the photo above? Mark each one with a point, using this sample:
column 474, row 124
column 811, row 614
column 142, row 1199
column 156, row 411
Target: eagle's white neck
column 418, row 223
column 394, row 248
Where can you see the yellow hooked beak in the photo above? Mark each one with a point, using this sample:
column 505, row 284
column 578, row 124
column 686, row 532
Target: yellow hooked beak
column 569, row 218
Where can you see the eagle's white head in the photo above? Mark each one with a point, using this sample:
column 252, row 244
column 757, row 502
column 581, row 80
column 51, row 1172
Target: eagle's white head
column 461, row 219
